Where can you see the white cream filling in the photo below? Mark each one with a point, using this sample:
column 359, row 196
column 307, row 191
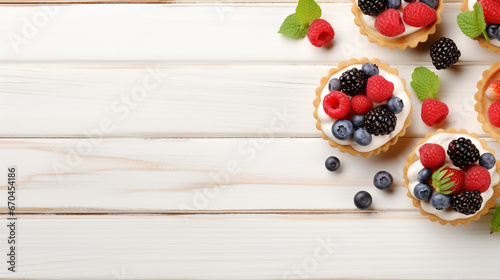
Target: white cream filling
column 494, row 42
column 370, row 21
column 377, row 141
column 444, row 139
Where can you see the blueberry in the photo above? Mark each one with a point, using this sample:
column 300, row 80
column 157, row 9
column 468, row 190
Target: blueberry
column 370, row 69
column 393, row 4
column 431, row 3
column 332, row 163
column 342, row 129
column 424, row 175
column 395, row 104
column 358, row 121
column 382, row 180
column 493, row 31
column 409, row 1
column 334, row 84
column 440, row 201
column 362, row 137
column 362, row 200
column 487, row 160
column 422, row 191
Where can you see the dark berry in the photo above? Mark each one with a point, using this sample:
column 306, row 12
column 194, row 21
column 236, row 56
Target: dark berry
column 393, row 4
column 493, row 31
column 440, row 201
column 362, row 137
column 332, row 163
column 358, row 121
column 487, row 160
column 342, row 129
column 409, row 1
column 370, row 69
column 380, row 121
column 422, row 191
column 382, row 180
column 424, row 175
column 395, row 104
column 371, row 7
column 467, row 203
column 431, row 3
column 353, row 82
column 444, row 53
column 362, row 200
column 334, row 84
column 462, row 152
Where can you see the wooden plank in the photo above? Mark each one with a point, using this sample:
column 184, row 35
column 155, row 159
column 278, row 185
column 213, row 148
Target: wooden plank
column 218, row 2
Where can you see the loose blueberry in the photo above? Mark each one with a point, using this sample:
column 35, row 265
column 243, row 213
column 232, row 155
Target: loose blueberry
column 422, row 191
column 342, row 129
column 393, row 4
column 370, row 69
column 362, row 200
column 334, row 84
column 493, row 31
column 395, row 104
column 487, row 160
column 440, row 201
column 424, row 175
column 431, row 3
column 358, row 121
column 332, row 163
column 382, row 180
column 362, row 137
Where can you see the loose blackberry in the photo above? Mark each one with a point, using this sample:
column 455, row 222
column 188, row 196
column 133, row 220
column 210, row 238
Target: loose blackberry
column 467, row 203
column 353, row 82
column 371, row 7
column 444, row 53
column 462, row 152
column 380, row 121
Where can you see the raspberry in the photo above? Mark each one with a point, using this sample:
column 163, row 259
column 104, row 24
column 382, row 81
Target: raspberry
column 494, row 114
column 378, row 89
column 491, row 10
column 418, row 14
column 390, row 23
column 360, row 104
column 336, row 105
column 432, row 156
column 320, row 33
column 433, row 111
column 477, row 179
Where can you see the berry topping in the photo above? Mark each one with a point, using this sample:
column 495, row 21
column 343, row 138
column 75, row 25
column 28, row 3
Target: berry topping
column 444, row 53
column 433, row 111
column 440, row 201
column 467, row 203
column 336, row 105
column 462, row 152
column 477, row 179
column 431, row 3
column 422, row 191
column 395, row 104
column 448, row 180
column 342, row 129
column 493, row 31
column 370, row 69
column 424, row 175
column 358, row 121
column 362, row 137
column 491, row 10
column 380, row 121
column 432, row 156
column 353, row 82
column 390, row 23
column 419, row 14
column 361, row 104
column 371, row 7
column 393, row 4
column 378, row 89
column 382, row 180
column 494, row 114
column 332, row 163
column 334, row 84
column 362, row 200
column 320, row 33
column 493, row 91
column 487, row 160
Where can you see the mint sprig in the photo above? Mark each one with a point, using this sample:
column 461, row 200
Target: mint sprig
column 495, row 222
column 292, row 28
column 425, row 83
column 472, row 23
column 296, row 25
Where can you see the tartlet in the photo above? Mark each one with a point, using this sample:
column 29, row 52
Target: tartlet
column 483, row 102
column 481, row 40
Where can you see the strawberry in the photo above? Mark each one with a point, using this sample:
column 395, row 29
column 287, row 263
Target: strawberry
column 493, row 91
column 431, row 155
column 491, row 10
column 360, row 104
column 418, row 14
column 433, row 112
column 494, row 114
column 389, row 23
column 447, row 180
column 477, row 179
column 378, row 89
column 336, row 105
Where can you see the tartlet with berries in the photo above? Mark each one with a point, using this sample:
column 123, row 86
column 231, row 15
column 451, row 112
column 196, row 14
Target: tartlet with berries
column 492, row 19
column 397, row 23
column 452, row 177
column 362, row 107
column 487, row 99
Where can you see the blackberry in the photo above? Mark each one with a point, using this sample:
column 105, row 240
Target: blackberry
column 380, row 121
column 444, row 53
column 353, row 82
column 462, row 152
column 467, row 203
column 371, row 7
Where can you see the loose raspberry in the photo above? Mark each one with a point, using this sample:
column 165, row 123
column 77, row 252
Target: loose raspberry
column 390, row 23
column 378, row 89
column 433, row 111
column 477, row 179
column 491, row 10
column 418, row 14
column 432, row 156
column 494, row 114
column 336, row 105
column 320, row 33
column 361, row 104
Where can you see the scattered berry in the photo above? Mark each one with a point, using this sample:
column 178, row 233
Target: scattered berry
column 370, row 69
column 362, row 200
column 332, row 163
column 467, row 203
column 440, row 201
column 444, row 53
column 491, row 11
column 419, row 14
column 422, row 191
column 477, row 179
column 462, row 152
column 371, row 7
column 390, row 23
column 342, row 129
column 395, row 104
column 336, row 105
column 493, row 91
column 424, row 175
column 334, row 84
column 353, row 82
column 380, row 121
column 494, row 114
column 362, row 137
column 432, row 156
column 358, row 121
column 378, row 89
column 393, row 4
column 361, row 104
column 431, row 3
column 320, row 33
column 487, row 160
column 382, row 180
column 493, row 31
column 433, row 111
column 447, row 180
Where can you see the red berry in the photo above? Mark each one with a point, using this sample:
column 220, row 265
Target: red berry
column 390, row 23
column 320, row 33
column 491, row 10
column 432, row 156
column 361, row 104
column 433, row 111
column 494, row 114
column 449, row 182
column 336, row 105
column 477, row 179
column 378, row 89
column 418, row 14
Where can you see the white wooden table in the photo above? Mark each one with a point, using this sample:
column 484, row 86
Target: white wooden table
column 175, row 140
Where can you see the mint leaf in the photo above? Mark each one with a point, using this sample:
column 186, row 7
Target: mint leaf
column 479, row 19
column 425, row 83
column 307, row 11
column 495, row 222
column 472, row 23
column 292, row 28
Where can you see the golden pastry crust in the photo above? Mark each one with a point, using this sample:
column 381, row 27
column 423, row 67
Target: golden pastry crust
column 483, row 102
column 324, row 81
column 410, row 40
column 482, row 42
column 412, row 157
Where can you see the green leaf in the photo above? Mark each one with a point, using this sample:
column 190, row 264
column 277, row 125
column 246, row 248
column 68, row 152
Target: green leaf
column 307, row 11
column 425, row 83
column 495, row 222
column 479, row 18
column 292, row 28
column 472, row 23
